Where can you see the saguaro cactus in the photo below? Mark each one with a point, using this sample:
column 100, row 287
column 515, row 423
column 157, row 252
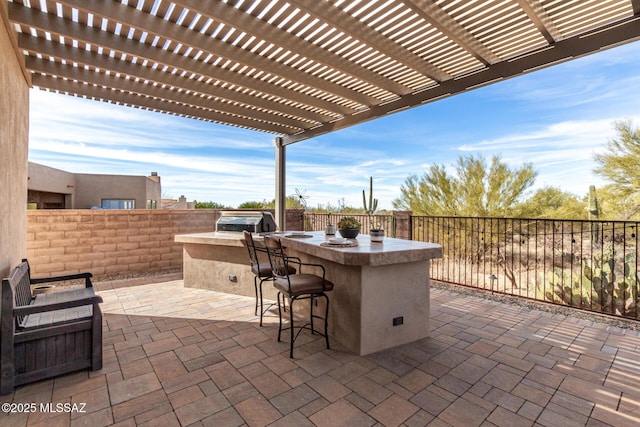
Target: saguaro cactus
column 594, row 207
column 373, row 203
column 594, row 212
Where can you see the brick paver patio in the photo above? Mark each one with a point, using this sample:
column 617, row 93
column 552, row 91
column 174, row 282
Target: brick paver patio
column 178, row 357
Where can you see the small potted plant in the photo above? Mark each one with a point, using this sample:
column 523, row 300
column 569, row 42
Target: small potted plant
column 330, row 228
column 349, row 227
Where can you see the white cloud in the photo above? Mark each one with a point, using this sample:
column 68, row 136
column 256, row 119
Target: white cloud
column 64, row 118
column 209, row 163
column 563, row 134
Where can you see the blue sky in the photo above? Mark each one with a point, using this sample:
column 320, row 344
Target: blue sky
column 555, row 118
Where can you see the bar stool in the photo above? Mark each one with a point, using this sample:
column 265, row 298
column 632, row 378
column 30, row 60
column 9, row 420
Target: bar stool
column 261, row 271
column 300, row 286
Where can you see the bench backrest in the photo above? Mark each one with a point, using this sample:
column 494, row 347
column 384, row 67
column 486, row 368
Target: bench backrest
column 16, row 289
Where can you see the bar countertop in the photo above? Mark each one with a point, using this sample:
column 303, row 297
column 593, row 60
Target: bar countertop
column 211, row 238
column 390, row 251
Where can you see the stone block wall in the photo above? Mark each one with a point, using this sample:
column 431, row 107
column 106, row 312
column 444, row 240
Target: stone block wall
column 110, row 242
column 116, row 243
column 403, row 224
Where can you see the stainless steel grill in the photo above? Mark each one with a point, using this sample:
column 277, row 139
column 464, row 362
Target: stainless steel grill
column 253, row 221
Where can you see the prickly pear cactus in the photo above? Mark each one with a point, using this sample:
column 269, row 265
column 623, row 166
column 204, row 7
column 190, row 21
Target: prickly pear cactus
column 606, row 284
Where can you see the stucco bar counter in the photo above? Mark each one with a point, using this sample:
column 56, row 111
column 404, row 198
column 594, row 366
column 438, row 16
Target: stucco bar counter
column 381, row 294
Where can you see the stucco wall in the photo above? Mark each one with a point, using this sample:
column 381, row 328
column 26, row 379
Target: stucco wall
column 51, row 180
column 83, row 191
column 91, row 189
column 14, row 140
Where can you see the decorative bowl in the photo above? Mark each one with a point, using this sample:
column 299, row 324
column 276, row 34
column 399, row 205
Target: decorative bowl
column 349, row 233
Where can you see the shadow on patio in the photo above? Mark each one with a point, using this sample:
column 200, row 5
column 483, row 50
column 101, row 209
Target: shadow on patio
column 179, row 356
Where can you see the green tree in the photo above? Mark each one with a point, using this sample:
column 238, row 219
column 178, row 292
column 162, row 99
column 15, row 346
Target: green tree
column 291, row 202
column 620, row 166
column 551, row 202
column 475, row 189
column 209, row 205
column 253, row 205
column 341, row 207
column 614, row 206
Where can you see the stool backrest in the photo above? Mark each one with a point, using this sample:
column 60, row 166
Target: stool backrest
column 251, row 248
column 277, row 258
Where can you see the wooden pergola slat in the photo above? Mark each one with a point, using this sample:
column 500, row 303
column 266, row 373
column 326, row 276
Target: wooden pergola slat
column 164, row 93
column 117, row 12
column 98, row 38
column 109, row 94
column 270, row 34
column 137, row 71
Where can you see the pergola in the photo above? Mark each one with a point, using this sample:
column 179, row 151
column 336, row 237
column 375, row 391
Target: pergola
column 297, row 69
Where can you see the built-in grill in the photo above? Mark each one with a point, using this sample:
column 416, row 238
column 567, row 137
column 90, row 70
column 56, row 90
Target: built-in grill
column 255, row 222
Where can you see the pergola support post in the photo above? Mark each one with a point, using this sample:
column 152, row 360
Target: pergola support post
column 281, row 187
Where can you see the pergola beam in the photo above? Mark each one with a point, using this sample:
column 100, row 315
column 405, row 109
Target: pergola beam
column 535, row 11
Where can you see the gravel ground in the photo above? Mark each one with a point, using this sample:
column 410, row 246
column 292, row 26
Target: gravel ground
column 541, row 306
column 120, row 279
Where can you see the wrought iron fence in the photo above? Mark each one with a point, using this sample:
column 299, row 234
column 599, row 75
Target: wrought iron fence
column 592, row 265
column 318, row 221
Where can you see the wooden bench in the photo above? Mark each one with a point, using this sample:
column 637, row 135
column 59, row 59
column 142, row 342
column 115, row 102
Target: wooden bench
column 50, row 334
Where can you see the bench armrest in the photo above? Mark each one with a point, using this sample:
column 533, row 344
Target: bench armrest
column 85, row 276
column 30, row 309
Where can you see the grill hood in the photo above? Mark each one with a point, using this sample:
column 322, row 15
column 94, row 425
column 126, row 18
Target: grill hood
column 253, row 221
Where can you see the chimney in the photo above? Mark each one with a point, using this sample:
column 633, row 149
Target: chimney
column 182, row 202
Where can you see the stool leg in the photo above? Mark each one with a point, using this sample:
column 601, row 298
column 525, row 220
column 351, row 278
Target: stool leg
column 255, row 287
column 326, row 319
column 312, row 300
column 291, row 326
column 280, row 316
column 261, row 304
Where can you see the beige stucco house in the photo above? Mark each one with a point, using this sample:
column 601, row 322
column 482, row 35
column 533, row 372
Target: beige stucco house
column 50, row 188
